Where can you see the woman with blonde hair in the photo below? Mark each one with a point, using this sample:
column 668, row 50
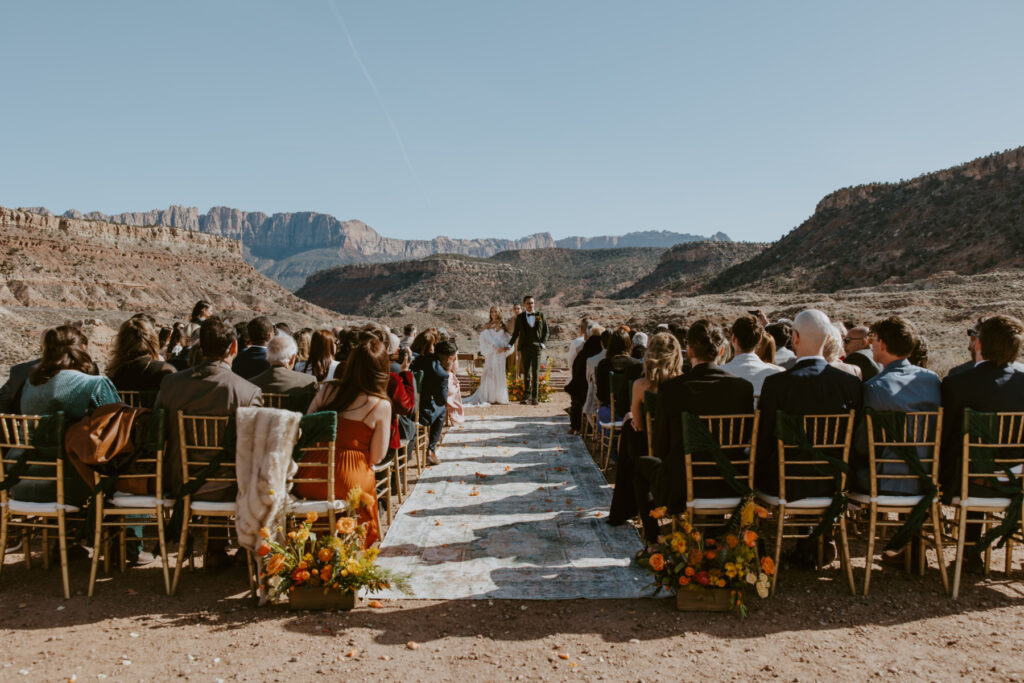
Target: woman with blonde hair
column 662, row 361
column 494, row 347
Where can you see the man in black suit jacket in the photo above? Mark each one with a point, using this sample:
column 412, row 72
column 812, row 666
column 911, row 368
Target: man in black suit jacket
column 810, row 387
column 705, row 390
column 858, row 352
column 253, row 360
column 531, row 332
column 434, row 393
column 992, row 385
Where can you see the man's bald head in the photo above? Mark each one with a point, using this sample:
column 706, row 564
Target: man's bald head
column 856, row 339
column 810, row 330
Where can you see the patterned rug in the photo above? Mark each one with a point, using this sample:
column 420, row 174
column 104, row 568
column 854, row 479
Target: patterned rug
column 515, row 510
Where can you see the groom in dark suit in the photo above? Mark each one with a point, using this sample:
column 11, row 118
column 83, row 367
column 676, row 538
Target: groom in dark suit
column 531, row 332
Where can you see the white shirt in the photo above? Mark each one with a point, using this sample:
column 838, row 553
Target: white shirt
column 784, row 357
column 531, row 319
column 753, row 369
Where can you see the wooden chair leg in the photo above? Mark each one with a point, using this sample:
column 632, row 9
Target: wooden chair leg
column 844, row 553
column 162, row 540
column 4, row 520
column 960, row 542
column 940, row 553
column 62, row 539
column 178, row 561
column 46, row 549
column 122, row 562
column 869, row 558
column 96, row 544
column 780, row 529
column 27, row 547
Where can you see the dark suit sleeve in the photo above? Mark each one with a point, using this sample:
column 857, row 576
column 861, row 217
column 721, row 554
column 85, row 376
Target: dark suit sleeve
column 515, row 332
column 951, row 447
column 766, row 473
column 543, row 336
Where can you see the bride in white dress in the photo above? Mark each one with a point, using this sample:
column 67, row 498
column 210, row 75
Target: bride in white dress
column 493, row 345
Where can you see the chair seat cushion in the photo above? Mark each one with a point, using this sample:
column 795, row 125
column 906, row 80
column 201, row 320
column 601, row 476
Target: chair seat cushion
column 886, row 501
column 607, row 425
column 712, row 503
column 979, row 502
column 302, row 507
column 23, row 507
column 802, row 504
column 127, row 500
column 201, row 506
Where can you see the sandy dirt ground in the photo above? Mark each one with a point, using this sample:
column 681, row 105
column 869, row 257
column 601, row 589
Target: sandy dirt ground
column 811, row 630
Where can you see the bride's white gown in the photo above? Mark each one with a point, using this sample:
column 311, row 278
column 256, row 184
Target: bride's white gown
column 493, row 383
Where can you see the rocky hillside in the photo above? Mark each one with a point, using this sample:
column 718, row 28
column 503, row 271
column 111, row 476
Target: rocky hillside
column 967, row 219
column 288, row 247
column 647, row 238
column 64, row 268
column 557, row 277
column 685, row 268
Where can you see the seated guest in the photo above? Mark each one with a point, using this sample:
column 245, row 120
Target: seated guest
column 810, row 387
column 833, row 350
column 302, row 341
column 993, row 385
column 576, row 344
column 253, row 360
column 858, row 352
column 280, row 378
column 662, row 362
column 408, row 334
column 177, row 348
column 135, row 363
column 434, row 393
column 782, row 334
column 200, row 312
column 577, row 385
column 10, row 392
column 590, row 404
column 747, row 333
column 639, row 346
column 617, row 359
column 209, row 388
column 64, row 379
column 705, row 390
column 455, row 413
column 973, row 349
column 424, row 342
column 364, row 428
column 900, row 388
column 765, row 349
column 282, row 328
column 919, row 356
column 321, row 363
column 401, row 390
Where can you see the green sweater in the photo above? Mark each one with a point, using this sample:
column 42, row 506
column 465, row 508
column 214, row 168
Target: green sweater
column 74, row 392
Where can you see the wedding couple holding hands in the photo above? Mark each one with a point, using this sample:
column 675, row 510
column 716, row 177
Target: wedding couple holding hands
column 530, row 332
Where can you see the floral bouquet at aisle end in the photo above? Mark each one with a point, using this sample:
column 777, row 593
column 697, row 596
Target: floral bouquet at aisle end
column 517, row 386
column 689, row 560
column 337, row 561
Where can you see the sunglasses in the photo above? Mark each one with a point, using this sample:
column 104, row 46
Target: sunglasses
column 847, row 340
column 971, row 332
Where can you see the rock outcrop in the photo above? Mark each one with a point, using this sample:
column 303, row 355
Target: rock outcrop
column 648, row 238
column 685, row 268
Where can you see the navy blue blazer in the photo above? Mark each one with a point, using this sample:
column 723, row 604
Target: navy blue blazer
column 251, row 362
column 434, row 390
column 811, row 387
column 987, row 388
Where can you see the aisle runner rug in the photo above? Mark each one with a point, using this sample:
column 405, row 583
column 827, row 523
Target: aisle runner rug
column 515, row 510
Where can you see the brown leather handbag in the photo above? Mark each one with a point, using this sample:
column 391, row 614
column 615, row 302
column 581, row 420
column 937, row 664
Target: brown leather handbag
column 103, row 442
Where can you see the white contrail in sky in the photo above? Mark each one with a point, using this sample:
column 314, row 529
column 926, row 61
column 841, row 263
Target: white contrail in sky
column 380, row 100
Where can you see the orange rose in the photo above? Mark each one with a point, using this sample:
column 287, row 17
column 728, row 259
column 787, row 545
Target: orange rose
column 263, row 550
column 720, row 583
column 768, row 565
column 325, row 554
column 265, row 532
column 710, row 541
column 684, row 580
column 710, row 554
column 731, row 541
column 275, row 564
column 657, row 562
column 658, row 513
column 345, row 525
column 325, row 574
column 311, row 517
column 689, row 571
column 761, row 512
column 750, row 538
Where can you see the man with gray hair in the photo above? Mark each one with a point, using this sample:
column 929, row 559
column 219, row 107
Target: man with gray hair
column 810, row 387
column 279, row 378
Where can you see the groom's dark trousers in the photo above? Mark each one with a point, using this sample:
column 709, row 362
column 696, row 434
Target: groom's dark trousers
column 531, row 368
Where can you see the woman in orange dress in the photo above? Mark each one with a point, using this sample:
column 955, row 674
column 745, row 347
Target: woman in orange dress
column 364, row 429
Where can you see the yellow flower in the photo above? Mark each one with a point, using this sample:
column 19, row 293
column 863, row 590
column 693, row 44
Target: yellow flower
column 311, row 517
column 355, row 496
column 730, row 570
column 747, row 514
column 720, row 583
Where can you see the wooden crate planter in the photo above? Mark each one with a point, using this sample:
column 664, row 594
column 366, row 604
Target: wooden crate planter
column 703, row 600
column 315, row 599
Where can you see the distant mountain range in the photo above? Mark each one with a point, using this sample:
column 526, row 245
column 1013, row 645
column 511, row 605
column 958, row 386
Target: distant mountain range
column 289, row 247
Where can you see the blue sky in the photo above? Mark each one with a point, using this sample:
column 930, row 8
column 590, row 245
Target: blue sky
column 576, row 118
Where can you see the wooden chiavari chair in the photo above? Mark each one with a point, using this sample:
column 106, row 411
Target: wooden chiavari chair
column 921, row 432
column 201, row 438
column 324, row 470
column 993, row 463
column 272, row 400
column 618, row 388
column 736, row 436
column 826, row 433
column 145, row 474
column 16, row 452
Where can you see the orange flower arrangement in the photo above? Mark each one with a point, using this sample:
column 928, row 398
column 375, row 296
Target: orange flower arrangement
column 688, row 560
